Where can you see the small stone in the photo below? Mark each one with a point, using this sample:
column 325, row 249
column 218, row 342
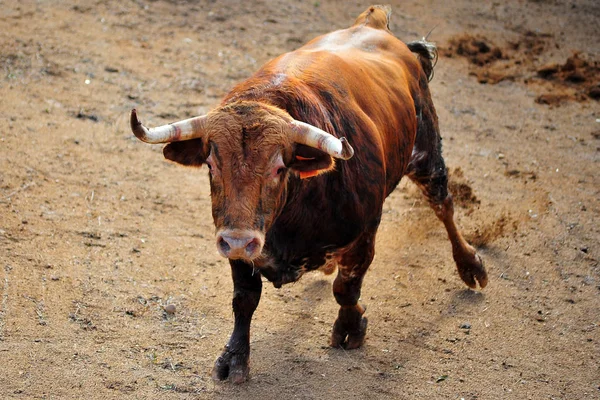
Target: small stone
column 170, row 309
column 465, row 325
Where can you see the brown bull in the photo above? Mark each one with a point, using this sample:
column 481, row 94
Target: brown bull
column 281, row 204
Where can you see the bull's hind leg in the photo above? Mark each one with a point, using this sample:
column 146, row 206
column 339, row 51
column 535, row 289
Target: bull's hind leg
column 350, row 327
column 468, row 262
column 428, row 171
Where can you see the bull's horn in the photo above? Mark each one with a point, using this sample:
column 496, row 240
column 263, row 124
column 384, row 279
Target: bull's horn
column 312, row 136
column 187, row 129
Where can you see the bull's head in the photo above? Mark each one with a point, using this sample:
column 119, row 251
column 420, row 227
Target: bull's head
column 251, row 149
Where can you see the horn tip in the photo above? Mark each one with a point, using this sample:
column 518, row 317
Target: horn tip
column 136, row 126
column 134, row 118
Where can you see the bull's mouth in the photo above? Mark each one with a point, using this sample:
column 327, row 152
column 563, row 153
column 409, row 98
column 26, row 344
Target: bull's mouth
column 240, row 244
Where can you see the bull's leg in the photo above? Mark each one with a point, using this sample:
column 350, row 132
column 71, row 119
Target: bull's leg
column 350, row 327
column 469, row 264
column 429, row 172
column 247, row 287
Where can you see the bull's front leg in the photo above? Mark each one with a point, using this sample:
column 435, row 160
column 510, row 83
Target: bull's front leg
column 247, row 287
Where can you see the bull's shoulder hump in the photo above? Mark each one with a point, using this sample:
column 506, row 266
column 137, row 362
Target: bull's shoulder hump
column 358, row 38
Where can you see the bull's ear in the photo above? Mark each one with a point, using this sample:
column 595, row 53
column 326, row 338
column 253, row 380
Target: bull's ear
column 189, row 152
column 308, row 161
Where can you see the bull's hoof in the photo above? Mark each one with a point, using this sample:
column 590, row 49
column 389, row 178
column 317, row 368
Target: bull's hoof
column 232, row 365
column 346, row 338
column 471, row 270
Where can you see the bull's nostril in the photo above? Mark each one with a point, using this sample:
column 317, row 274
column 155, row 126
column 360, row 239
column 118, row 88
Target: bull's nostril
column 252, row 246
column 223, row 245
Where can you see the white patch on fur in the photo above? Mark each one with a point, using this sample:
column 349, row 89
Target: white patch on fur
column 278, row 79
column 339, row 41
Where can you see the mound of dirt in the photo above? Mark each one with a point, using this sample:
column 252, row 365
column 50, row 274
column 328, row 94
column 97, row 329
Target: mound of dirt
column 483, row 56
column 577, row 79
column 491, row 63
column 579, row 74
column 478, row 50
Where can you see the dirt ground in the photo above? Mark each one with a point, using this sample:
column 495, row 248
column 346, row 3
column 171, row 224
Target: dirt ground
column 98, row 233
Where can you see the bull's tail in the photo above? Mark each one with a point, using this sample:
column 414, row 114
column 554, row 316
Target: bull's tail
column 427, row 54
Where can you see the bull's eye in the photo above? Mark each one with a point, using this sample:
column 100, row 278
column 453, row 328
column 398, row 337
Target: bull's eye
column 211, row 170
column 209, row 163
column 277, row 167
column 277, row 172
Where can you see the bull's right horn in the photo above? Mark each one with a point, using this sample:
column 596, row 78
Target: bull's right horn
column 187, row 129
column 312, row 136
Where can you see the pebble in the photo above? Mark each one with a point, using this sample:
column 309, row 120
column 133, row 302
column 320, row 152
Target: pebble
column 170, row 309
column 465, row 325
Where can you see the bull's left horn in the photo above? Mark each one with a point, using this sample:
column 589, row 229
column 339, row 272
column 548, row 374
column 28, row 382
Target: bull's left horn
column 312, row 136
column 187, row 129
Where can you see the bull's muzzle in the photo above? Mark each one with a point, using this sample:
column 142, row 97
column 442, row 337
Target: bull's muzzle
column 240, row 244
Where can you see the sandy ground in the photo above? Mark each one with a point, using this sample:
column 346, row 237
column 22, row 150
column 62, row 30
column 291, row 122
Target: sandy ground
column 98, row 233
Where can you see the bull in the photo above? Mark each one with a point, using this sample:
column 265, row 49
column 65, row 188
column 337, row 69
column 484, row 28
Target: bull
column 301, row 157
